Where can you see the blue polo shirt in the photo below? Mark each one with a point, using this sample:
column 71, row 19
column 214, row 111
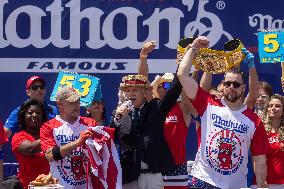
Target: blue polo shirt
column 12, row 122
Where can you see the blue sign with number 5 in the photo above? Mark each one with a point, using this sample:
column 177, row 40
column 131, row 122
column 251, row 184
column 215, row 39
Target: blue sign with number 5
column 87, row 86
column 270, row 45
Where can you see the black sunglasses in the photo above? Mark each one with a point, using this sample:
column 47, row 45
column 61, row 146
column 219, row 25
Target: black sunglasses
column 36, row 87
column 229, row 83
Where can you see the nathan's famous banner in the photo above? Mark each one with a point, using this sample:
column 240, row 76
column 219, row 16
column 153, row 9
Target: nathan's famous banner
column 105, row 36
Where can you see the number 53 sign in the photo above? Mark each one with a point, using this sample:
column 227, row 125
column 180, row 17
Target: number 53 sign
column 270, row 46
column 87, row 86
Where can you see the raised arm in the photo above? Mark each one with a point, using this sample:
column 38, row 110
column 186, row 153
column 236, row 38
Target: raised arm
column 253, row 80
column 253, row 88
column 189, row 85
column 171, row 97
column 206, row 81
column 194, row 74
column 143, row 68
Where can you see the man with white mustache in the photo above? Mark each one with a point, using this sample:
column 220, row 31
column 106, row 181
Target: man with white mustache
column 144, row 152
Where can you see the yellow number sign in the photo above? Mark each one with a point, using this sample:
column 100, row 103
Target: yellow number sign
column 270, row 46
column 87, row 86
column 271, row 39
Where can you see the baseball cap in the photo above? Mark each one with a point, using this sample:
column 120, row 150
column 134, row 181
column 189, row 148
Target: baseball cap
column 32, row 79
column 67, row 93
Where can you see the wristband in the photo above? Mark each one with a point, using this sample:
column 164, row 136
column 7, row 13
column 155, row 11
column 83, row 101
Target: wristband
column 56, row 153
column 1, row 155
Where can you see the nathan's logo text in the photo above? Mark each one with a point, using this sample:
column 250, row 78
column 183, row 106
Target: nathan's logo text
column 46, row 25
column 229, row 124
column 265, row 22
column 64, row 139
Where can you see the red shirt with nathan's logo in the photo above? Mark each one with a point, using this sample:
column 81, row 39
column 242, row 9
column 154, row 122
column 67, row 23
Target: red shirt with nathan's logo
column 71, row 170
column 226, row 137
column 175, row 131
column 275, row 160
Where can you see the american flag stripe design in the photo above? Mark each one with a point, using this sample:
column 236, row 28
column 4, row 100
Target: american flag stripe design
column 177, row 176
column 105, row 166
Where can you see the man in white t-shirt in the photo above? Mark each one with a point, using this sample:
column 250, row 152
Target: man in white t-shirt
column 62, row 138
column 229, row 129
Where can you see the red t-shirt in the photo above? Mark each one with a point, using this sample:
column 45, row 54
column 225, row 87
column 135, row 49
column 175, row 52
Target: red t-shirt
column 175, row 131
column 3, row 137
column 72, row 169
column 275, row 160
column 30, row 166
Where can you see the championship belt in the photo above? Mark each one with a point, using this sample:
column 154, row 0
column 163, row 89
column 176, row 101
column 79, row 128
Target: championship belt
column 216, row 61
column 182, row 44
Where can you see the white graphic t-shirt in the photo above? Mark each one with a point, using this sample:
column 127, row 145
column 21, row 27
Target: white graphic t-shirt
column 226, row 137
column 71, row 170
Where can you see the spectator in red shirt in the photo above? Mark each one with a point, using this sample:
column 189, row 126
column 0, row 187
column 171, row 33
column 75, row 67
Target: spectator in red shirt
column 3, row 139
column 273, row 120
column 26, row 143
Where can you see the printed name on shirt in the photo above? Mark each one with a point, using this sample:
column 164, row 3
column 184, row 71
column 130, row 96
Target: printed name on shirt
column 236, row 126
column 173, row 119
column 64, row 139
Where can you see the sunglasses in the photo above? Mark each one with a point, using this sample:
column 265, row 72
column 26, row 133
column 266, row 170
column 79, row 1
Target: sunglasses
column 36, row 87
column 229, row 84
column 165, row 85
